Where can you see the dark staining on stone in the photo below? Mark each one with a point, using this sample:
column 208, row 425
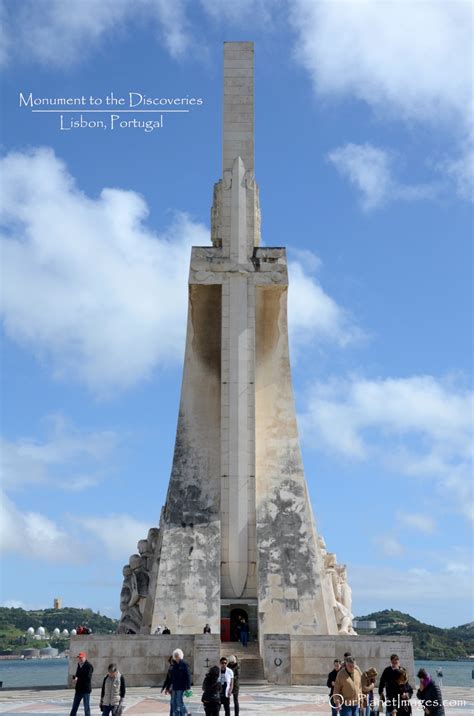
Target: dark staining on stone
column 188, row 501
column 284, row 542
column 205, row 304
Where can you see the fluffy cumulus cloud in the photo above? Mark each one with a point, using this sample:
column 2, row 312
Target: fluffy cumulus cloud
column 95, row 293
column 118, row 533
column 32, row 534
column 69, row 458
column 86, row 284
column 312, row 313
column 62, row 32
column 370, row 170
column 407, row 60
column 417, row 426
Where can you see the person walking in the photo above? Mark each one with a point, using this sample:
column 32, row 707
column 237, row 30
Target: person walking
column 234, row 666
column 226, row 680
column 368, row 687
column 211, row 697
column 348, row 689
column 82, row 684
column 180, row 679
column 330, row 683
column 113, row 692
column 167, row 682
column 388, row 683
column 430, row 695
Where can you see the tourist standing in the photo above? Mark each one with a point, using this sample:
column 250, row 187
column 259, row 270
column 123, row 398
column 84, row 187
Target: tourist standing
column 82, row 684
column 244, row 631
column 439, row 675
column 113, row 692
column 405, row 692
column 234, row 666
column 368, row 686
column 180, row 679
column 389, row 684
column 330, row 683
column 211, row 697
column 430, row 695
column 226, row 680
column 348, row 689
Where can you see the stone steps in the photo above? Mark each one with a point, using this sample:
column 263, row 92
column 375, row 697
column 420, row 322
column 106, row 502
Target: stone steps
column 251, row 663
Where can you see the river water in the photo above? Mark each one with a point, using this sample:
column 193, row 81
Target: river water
column 53, row 672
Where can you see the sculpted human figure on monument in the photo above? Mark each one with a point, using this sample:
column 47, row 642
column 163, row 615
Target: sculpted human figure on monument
column 342, row 594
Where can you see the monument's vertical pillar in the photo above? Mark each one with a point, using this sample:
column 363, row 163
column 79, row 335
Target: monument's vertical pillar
column 238, row 349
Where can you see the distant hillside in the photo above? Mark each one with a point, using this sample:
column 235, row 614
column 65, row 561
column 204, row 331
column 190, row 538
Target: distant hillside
column 429, row 642
column 15, row 622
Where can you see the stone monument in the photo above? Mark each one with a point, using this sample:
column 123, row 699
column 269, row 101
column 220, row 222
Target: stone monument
column 237, row 530
column 237, row 537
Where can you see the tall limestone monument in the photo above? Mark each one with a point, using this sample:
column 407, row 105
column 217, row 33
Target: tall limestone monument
column 237, row 535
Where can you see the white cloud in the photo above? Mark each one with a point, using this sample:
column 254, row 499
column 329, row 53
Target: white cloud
column 63, row 32
column 417, row 426
column 119, row 533
column 390, row 546
column 100, row 297
column 31, row 534
column 403, row 58
column 13, row 604
column 312, row 314
column 70, row 458
column 416, row 521
column 370, row 170
column 407, row 60
column 421, row 586
column 86, row 284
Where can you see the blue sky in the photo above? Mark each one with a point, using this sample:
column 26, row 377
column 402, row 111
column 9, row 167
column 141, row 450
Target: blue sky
column 364, row 155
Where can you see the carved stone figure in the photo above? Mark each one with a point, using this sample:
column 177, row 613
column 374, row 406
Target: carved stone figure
column 136, row 584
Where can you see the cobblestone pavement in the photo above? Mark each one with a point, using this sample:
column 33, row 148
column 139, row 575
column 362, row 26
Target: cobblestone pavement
column 258, row 700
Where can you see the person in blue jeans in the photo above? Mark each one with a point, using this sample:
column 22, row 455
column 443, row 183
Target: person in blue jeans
column 82, row 685
column 348, row 689
column 180, row 678
column 244, row 632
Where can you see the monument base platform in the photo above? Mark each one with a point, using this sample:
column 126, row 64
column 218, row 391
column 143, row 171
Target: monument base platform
column 287, row 660
column 309, row 659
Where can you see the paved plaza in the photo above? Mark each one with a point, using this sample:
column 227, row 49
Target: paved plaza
column 294, row 701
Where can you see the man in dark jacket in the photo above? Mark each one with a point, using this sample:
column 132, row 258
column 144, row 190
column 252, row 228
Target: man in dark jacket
column 83, row 684
column 180, row 678
column 330, row 684
column 430, row 695
column 389, row 683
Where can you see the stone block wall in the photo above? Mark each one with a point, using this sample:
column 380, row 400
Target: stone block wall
column 309, row 659
column 143, row 658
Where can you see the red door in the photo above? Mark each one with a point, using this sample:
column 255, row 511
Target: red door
column 225, row 629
